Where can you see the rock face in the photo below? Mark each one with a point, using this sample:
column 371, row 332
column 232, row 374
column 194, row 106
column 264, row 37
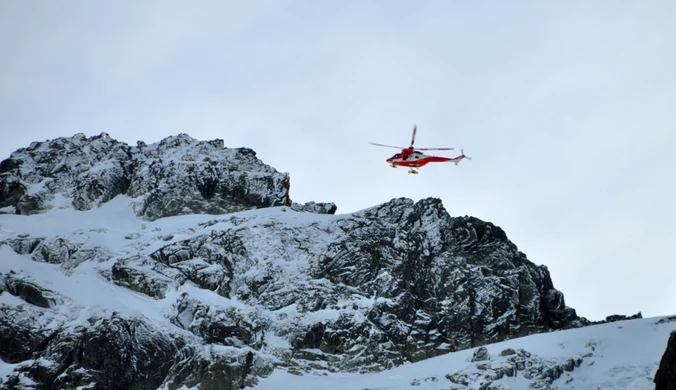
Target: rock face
column 399, row 282
column 665, row 378
column 220, row 300
column 319, row 208
column 178, row 175
column 433, row 284
column 539, row 373
column 114, row 352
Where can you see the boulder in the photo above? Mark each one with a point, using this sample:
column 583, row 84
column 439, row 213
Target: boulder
column 665, row 377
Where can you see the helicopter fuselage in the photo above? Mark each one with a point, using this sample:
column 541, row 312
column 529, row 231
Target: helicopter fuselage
column 414, row 160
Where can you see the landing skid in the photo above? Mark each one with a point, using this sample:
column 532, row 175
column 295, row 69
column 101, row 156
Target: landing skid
column 411, row 170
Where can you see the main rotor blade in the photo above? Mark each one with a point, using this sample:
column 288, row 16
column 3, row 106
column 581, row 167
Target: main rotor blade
column 415, row 129
column 387, row 146
column 434, row 148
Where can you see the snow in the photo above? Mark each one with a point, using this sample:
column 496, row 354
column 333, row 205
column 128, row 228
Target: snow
column 6, row 369
column 110, row 227
column 112, row 218
column 102, row 167
column 37, row 188
column 624, row 355
column 11, row 300
column 84, row 286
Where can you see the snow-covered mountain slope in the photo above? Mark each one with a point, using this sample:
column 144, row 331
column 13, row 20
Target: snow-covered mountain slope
column 269, row 287
column 619, row 355
column 184, row 264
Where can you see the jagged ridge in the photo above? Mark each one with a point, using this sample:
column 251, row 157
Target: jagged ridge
column 178, row 175
column 399, row 282
column 293, row 286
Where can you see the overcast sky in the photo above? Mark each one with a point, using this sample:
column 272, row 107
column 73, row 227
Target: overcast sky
column 568, row 109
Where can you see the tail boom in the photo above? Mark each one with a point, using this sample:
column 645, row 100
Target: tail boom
column 456, row 160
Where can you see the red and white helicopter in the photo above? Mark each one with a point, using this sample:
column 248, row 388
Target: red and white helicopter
column 412, row 157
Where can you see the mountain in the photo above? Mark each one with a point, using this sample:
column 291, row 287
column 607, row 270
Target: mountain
column 184, row 263
column 617, row 356
column 176, row 176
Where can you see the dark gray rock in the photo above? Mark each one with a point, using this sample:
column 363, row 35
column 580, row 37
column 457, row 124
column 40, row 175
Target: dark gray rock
column 22, row 332
column 480, row 354
column 618, row 317
column 23, row 245
column 540, row 373
column 205, row 260
column 88, row 171
column 234, row 371
column 666, row 320
column 117, row 352
column 28, row 291
column 138, row 277
column 318, row 208
column 434, row 283
column 453, row 282
column 178, row 175
column 665, row 377
column 230, row 327
column 57, row 251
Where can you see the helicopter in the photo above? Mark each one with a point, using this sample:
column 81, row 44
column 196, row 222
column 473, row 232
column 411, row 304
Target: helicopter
column 413, row 157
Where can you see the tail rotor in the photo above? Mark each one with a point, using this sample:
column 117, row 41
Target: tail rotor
column 462, row 156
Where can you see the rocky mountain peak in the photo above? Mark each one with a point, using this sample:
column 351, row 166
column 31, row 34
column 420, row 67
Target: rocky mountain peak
column 257, row 282
column 177, row 175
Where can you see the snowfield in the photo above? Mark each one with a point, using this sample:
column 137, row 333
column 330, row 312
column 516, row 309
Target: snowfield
column 123, row 234
column 620, row 355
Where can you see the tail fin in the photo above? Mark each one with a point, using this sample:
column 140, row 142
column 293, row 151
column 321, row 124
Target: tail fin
column 460, row 157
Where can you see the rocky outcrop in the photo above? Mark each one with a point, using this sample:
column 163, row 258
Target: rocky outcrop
column 402, row 282
column 57, row 250
column 295, row 286
column 537, row 372
column 116, row 352
column 178, row 175
column 230, row 327
column 615, row 318
column 82, row 170
column 29, row 291
column 665, row 377
column 440, row 284
column 313, row 207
